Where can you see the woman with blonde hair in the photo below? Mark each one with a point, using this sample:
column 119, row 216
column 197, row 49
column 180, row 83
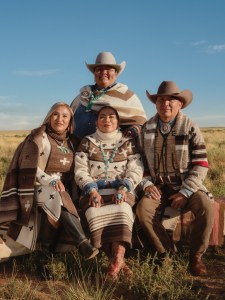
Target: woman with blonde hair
column 38, row 190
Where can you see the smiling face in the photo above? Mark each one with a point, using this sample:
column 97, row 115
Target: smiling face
column 167, row 107
column 107, row 120
column 60, row 119
column 105, row 76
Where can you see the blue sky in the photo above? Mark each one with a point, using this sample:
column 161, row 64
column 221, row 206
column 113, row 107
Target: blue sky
column 44, row 45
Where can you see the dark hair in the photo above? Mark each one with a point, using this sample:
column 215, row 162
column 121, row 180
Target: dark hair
column 115, row 111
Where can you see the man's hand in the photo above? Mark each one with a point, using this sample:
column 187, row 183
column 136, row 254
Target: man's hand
column 153, row 192
column 131, row 131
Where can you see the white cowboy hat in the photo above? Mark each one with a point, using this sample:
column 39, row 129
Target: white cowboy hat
column 169, row 88
column 106, row 59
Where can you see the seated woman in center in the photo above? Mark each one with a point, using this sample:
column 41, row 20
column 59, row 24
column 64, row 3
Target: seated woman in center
column 108, row 167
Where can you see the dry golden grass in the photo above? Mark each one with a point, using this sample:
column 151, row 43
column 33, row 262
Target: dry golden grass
column 9, row 140
column 215, row 143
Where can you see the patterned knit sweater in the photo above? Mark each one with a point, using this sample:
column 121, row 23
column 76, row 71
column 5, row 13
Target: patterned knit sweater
column 90, row 166
column 190, row 150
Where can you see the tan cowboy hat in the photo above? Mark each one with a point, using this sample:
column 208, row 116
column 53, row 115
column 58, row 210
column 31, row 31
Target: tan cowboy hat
column 169, row 88
column 106, row 59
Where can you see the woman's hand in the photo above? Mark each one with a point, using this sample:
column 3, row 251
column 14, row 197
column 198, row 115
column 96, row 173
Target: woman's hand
column 131, row 131
column 95, row 199
column 58, row 185
column 119, row 196
column 153, row 192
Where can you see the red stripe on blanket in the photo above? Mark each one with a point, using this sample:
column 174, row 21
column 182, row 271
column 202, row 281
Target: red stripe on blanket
column 201, row 163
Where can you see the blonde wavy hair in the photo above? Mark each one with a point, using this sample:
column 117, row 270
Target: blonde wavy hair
column 46, row 121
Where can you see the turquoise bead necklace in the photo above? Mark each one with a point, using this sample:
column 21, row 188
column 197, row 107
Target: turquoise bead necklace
column 93, row 97
column 108, row 160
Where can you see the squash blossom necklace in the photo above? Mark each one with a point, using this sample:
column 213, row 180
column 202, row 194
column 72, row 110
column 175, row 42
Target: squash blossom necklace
column 95, row 95
column 61, row 147
column 108, row 160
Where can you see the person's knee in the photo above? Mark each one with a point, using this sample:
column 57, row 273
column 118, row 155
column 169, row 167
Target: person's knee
column 203, row 205
column 141, row 208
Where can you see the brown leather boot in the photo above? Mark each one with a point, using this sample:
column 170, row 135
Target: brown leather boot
column 117, row 261
column 73, row 227
column 196, row 265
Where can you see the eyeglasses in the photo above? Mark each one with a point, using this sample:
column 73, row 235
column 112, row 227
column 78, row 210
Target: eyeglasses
column 164, row 99
column 104, row 68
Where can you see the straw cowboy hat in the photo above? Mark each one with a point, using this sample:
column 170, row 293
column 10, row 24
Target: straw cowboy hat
column 169, row 88
column 106, row 59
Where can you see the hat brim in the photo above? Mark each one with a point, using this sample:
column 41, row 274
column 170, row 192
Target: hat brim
column 185, row 97
column 119, row 67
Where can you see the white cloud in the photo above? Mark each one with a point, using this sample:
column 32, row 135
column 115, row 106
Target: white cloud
column 210, row 120
column 199, row 43
column 7, row 106
column 37, row 73
column 6, row 98
column 205, row 47
column 211, row 117
column 10, row 121
column 215, row 48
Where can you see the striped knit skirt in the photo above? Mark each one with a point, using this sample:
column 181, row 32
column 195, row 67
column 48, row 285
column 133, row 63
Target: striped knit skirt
column 111, row 222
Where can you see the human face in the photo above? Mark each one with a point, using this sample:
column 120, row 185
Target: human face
column 60, row 119
column 107, row 120
column 105, row 76
column 168, row 108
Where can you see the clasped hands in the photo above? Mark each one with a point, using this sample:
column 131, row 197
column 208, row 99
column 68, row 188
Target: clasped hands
column 178, row 200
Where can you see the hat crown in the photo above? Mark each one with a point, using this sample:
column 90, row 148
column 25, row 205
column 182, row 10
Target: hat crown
column 168, row 88
column 105, row 58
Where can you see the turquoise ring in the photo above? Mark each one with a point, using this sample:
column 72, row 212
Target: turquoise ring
column 119, row 196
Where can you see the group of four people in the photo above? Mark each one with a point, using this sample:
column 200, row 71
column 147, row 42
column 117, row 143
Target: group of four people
column 98, row 148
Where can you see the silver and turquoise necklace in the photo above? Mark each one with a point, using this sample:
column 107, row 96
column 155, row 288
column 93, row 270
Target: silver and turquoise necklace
column 107, row 160
column 93, row 97
column 61, row 147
